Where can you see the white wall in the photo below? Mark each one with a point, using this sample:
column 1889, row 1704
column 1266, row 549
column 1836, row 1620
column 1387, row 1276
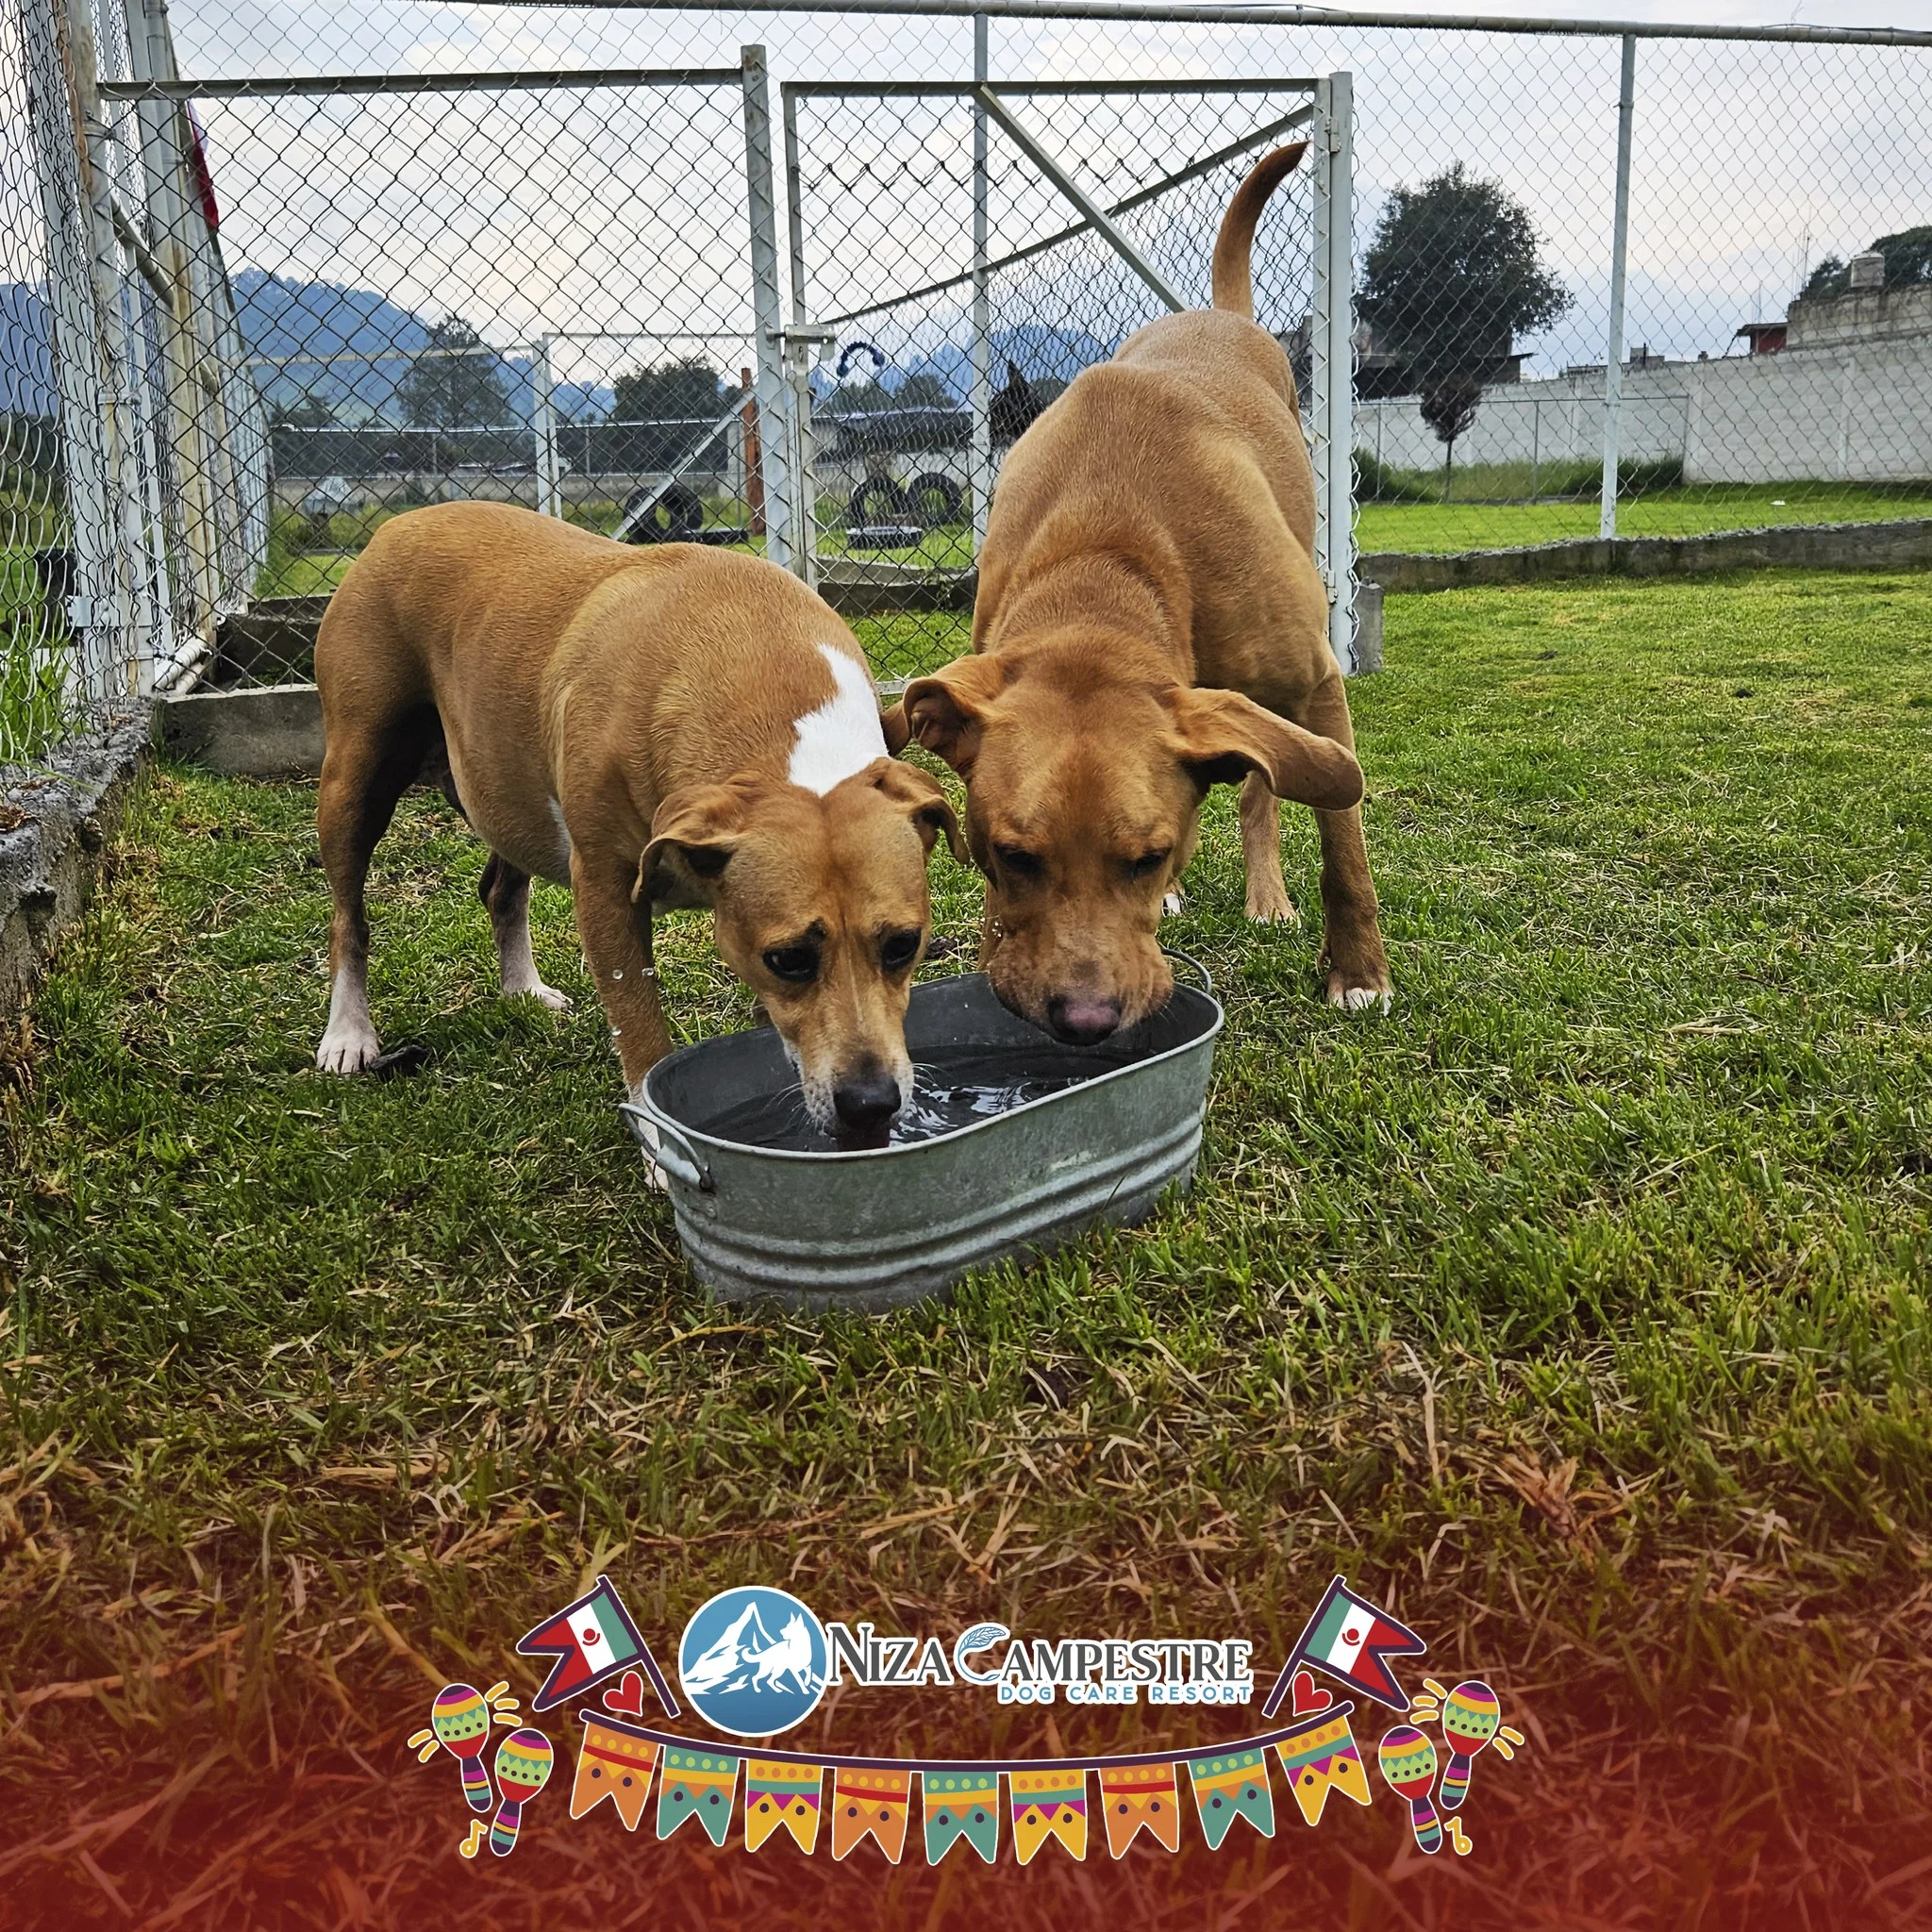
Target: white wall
column 1858, row 413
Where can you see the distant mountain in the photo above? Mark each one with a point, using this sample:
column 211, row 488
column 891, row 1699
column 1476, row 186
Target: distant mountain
column 351, row 349
column 348, row 348
column 582, row 402
column 1043, row 353
column 27, row 354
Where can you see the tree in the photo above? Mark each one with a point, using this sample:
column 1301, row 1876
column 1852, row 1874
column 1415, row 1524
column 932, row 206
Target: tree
column 1907, row 260
column 1448, row 406
column 454, row 382
column 1453, row 275
column 859, row 398
column 925, row 390
column 309, row 412
column 684, row 390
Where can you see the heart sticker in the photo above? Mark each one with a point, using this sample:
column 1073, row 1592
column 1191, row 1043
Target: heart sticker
column 628, row 1698
column 1307, row 1698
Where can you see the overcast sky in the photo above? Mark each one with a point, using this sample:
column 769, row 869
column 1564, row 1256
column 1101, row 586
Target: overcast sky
column 1751, row 161
column 1914, row 15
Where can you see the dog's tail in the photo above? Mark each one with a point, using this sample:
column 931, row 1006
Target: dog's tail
column 1234, row 247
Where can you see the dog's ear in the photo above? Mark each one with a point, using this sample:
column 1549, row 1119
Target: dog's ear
column 925, row 802
column 945, row 711
column 694, row 833
column 1220, row 737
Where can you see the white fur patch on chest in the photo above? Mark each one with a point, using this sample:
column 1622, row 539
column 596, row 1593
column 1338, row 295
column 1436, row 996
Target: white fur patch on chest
column 843, row 735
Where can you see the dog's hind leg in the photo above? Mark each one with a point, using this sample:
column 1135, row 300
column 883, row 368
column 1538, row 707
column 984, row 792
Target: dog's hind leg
column 505, row 890
column 1352, row 952
column 364, row 771
column 1268, row 900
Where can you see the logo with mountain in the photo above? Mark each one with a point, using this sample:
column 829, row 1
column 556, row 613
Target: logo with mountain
column 753, row 1661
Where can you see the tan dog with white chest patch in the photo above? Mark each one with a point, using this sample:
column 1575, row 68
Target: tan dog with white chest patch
column 1150, row 622
column 660, row 727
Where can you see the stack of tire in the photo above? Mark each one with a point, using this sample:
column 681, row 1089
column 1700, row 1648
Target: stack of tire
column 930, row 500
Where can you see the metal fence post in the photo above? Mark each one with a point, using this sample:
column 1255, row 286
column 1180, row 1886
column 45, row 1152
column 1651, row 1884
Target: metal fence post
column 776, row 439
column 145, row 515
column 549, row 493
column 1620, row 237
column 151, row 47
column 980, row 399
column 1332, row 359
column 798, row 358
column 91, row 602
column 130, row 640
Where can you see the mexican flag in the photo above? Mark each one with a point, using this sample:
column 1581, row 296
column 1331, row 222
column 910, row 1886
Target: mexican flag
column 592, row 1639
column 1349, row 1638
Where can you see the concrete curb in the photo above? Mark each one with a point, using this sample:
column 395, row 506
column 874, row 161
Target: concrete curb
column 273, row 731
column 54, row 823
column 1902, row 545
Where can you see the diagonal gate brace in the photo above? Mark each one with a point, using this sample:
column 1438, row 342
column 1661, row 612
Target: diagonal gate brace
column 1096, row 216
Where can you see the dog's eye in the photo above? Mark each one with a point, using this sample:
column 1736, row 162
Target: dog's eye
column 795, row 963
column 1021, row 863
column 1149, row 862
column 899, row 951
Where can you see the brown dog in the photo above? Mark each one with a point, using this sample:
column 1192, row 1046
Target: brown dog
column 660, row 727
column 1150, row 623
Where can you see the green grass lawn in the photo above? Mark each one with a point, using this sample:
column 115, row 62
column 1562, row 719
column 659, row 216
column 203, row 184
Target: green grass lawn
column 1578, row 1311
column 1690, row 510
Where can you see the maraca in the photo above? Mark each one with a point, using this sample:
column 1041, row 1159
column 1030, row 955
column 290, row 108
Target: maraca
column 1472, row 1714
column 522, row 1769
column 1409, row 1762
column 460, row 1723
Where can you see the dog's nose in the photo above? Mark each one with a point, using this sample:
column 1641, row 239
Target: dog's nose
column 1082, row 1019
column 866, row 1102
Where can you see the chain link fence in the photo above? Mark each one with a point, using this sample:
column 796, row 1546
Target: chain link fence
column 134, row 457
column 794, row 280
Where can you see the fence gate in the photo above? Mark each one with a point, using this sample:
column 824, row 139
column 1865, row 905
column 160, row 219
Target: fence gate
column 1019, row 232
column 529, row 286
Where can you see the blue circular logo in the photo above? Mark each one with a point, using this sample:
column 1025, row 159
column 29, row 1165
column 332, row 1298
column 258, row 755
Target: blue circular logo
column 753, row 1661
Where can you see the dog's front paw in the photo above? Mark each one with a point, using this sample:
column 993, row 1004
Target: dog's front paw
column 534, row 989
column 1356, row 992
column 1270, row 906
column 347, row 1047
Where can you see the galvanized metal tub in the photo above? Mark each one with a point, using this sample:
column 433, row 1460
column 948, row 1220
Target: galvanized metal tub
column 877, row 1230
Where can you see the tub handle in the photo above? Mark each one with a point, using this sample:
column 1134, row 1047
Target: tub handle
column 670, row 1150
column 1189, row 960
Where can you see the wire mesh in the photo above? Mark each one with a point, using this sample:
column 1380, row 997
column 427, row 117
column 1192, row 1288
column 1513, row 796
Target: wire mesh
column 534, row 294
column 884, row 188
column 494, row 266
column 134, row 475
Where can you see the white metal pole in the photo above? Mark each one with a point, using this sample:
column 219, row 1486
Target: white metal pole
column 171, row 222
column 805, row 460
column 980, row 399
column 76, row 342
column 549, row 492
column 1620, row 238
column 776, row 439
column 1331, row 405
column 1315, row 404
column 147, row 546
column 1341, row 436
